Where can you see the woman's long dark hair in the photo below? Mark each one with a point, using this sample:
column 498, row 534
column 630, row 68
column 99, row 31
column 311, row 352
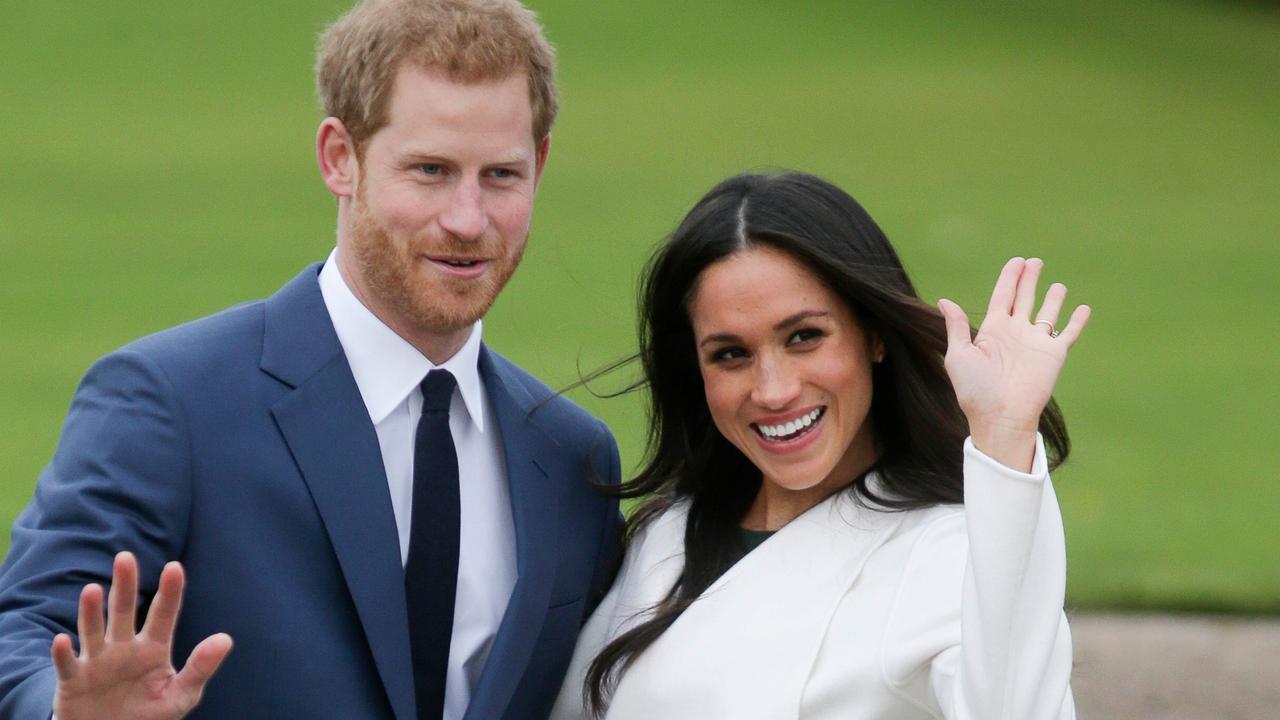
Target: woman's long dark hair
column 918, row 422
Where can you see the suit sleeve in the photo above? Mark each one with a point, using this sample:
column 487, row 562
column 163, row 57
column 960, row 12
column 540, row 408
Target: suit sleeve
column 623, row 607
column 119, row 480
column 609, row 545
column 1003, row 652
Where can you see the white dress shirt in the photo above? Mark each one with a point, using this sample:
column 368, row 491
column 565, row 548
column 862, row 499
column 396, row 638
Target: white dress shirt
column 387, row 370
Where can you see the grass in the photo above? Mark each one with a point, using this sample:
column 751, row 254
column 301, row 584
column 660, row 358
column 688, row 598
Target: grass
column 157, row 165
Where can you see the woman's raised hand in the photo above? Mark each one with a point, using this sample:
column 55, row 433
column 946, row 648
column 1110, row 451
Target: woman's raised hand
column 1004, row 376
column 121, row 673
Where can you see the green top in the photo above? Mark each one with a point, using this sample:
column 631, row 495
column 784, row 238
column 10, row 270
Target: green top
column 751, row 539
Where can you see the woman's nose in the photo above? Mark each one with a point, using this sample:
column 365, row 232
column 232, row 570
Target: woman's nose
column 775, row 386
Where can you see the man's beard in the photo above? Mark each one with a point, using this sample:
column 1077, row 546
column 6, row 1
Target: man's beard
column 418, row 294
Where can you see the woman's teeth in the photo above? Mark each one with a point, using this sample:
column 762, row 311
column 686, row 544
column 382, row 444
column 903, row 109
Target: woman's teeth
column 791, row 428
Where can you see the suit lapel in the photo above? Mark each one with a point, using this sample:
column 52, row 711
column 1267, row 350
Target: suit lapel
column 760, row 626
column 328, row 431
column 532, row 460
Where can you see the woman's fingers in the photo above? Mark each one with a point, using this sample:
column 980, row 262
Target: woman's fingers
column 122, row 600
column 89, row 621
column 163, row 616
column 958, row 334
column 1052, row 307
column 1079, row 318
column 1002, row 296
column 1024, row 300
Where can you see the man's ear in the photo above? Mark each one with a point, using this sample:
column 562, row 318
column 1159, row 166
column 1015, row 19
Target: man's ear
column 336, row 155
column 541, row 161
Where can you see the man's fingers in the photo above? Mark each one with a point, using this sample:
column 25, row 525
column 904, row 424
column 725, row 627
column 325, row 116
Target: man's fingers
column 1024, row 300
column 64, row 658
column 1079, row 318
column 122, row 600
column 1006, row 285
column 163, row 616
column 958, row 334
column 203, row 663
column 89, row 621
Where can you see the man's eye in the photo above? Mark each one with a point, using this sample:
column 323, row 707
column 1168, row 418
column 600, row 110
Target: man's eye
column 431, row 169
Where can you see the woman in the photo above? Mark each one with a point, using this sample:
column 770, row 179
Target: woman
column 910, row 559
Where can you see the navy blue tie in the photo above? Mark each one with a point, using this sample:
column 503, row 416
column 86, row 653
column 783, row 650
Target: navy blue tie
column 431, row 571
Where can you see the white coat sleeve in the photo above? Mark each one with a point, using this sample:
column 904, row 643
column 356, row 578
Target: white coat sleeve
column 1005, row 652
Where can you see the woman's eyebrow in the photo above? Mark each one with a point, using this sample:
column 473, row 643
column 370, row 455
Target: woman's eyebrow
column 793, row 319
column 719, row 338
column 799, row 317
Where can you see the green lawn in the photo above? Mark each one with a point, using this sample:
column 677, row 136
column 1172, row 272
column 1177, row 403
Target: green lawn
column 156, row 164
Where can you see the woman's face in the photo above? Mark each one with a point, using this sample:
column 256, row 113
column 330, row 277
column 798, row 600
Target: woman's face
column 787, row 369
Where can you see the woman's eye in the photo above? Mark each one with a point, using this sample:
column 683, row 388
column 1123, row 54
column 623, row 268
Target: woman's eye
column 728, row 354
column 804, row 335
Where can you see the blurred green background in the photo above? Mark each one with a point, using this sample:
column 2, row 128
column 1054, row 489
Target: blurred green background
column 156, row 164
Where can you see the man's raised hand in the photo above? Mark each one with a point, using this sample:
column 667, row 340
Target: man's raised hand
column 127, row 675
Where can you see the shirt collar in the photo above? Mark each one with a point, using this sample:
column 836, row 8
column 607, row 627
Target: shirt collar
column 386, row 367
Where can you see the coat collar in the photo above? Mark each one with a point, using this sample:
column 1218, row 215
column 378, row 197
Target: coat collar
column 536, row 467
column 327, row 428
column 298, row 338
column 328, row 431
column 779, row 597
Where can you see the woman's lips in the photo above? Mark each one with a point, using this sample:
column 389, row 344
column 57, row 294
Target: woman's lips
column 801, row 436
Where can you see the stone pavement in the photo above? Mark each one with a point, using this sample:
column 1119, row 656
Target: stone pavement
column 1175, row 667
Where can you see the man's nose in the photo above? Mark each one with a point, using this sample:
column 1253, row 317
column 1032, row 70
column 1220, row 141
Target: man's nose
column 775, row 387
column 464, row 218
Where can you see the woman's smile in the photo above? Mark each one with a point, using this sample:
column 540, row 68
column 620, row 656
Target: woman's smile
column 784, row 435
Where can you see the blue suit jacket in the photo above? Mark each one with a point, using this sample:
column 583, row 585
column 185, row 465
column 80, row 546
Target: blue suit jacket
column 239, row 444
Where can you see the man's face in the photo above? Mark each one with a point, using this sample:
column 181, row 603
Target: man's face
column 440, row 216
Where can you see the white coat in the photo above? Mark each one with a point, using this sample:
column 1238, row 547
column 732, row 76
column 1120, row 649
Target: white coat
column 856, row 613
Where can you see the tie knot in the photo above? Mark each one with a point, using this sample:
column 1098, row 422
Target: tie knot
column 437, row 391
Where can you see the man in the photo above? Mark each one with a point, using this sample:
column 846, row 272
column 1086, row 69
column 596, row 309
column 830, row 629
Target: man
column 388, row 518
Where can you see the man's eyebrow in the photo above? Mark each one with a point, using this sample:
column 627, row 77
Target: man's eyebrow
column 515, row 157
